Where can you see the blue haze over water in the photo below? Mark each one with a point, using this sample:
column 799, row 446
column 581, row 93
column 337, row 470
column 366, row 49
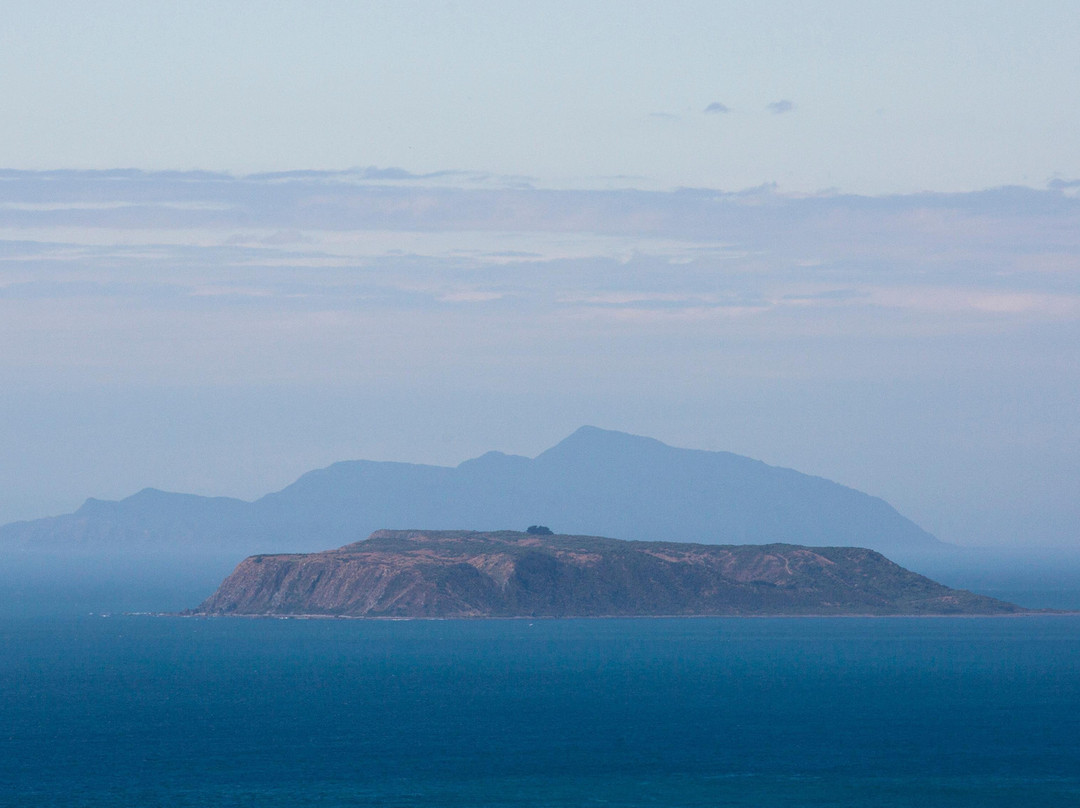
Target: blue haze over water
column 146, row 711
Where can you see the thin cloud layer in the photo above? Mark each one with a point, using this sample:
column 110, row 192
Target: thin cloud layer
column 780, row 107
column 716, row 108
column 311, row 242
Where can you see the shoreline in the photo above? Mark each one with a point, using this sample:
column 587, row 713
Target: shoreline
column 272, row 616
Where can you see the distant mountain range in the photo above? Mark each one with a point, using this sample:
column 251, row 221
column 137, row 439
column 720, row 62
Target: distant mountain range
column 595, row 482
column 457, row 573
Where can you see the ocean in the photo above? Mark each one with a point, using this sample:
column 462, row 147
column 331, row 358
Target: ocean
column 165, row 711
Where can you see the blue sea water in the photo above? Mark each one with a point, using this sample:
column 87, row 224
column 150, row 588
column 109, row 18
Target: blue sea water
column 154, row 711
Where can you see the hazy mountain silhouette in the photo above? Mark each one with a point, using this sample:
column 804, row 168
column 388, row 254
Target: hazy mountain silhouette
column 595, row 482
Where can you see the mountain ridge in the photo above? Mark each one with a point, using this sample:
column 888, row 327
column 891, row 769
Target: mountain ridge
column 594, row 482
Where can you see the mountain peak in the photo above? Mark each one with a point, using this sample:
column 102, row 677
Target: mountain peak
column 594, row 441
column 494, row 460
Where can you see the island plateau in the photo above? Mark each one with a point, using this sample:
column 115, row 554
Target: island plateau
column 469, row 574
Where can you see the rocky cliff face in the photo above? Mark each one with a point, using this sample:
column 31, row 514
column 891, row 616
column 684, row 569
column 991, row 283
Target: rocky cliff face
column 507, row 574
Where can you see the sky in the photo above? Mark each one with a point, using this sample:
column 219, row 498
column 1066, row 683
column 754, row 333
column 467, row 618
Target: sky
column 242, row 240
column 866, row 97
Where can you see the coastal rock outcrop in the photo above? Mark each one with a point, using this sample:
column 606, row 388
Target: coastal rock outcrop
column 455, row 574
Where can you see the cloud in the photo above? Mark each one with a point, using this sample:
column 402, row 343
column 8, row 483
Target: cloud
column 780, row 107
column 952, row 301
column 471, row 297
column 716, row 108
column 1062, row 185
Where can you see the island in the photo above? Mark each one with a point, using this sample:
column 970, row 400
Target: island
column 472, row 574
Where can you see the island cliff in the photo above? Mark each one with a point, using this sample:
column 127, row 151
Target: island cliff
column 409, row 573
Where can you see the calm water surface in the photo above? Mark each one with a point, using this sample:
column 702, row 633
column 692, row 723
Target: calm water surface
column 144, row 711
